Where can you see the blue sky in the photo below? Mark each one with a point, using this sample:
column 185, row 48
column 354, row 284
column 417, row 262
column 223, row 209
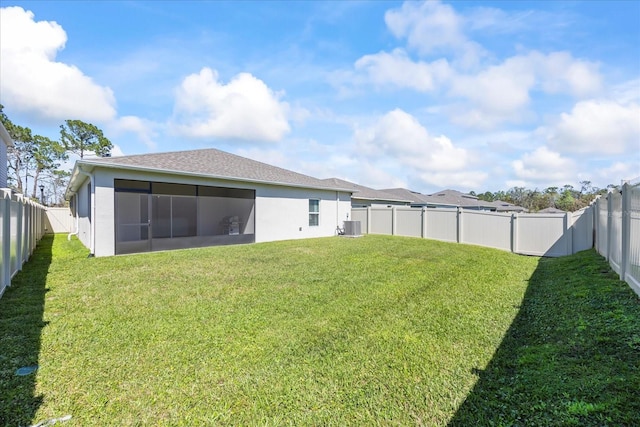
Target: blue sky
column 464, row 95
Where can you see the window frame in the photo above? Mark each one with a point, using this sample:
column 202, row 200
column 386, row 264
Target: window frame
column 315, row 213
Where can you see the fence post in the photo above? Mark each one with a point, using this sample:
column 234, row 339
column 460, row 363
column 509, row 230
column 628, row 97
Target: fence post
column 609, row 225
column 626, row 231
column 514, row 232
column 19, row 242
column 459, row 236
column 393, row 220
column 423, row 232
column 5, row 206
column 595, row 212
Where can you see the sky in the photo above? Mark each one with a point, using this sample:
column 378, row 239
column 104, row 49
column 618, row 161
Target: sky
column 473, row 96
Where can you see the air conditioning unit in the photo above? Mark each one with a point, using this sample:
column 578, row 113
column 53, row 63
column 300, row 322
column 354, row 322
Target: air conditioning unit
column 352, row 228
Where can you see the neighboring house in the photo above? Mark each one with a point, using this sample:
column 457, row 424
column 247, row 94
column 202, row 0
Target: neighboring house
column 506, row 207
column 197, row 198
column 443, row 199
column 363, row 197
column 4, row 145
column 416, row 200
column 453, row 198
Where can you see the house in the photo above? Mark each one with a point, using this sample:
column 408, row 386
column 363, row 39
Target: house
column 4, row 145
column 363, row 197
column 416, row 200
column 443, row 199
column 453, row 198
column 197, row 198
column 506, row 207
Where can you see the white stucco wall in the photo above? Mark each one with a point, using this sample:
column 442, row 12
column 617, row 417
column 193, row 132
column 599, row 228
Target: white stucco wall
column 281, row 213
column 83, row 223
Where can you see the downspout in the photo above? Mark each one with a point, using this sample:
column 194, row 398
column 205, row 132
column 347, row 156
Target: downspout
column 92, row 227
column 75, row 233
column 337, row 210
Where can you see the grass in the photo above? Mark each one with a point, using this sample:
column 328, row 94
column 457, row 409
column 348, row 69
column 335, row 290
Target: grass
column 372, row 331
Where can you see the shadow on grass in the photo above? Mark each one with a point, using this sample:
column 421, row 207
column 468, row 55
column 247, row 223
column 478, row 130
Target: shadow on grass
column 21, row 324
column 571, row 356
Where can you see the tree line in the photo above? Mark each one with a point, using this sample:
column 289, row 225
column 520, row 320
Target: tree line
column 34, row 161
column 566, row 198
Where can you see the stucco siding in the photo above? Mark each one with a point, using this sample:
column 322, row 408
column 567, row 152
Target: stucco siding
column 83, row 223
column 283, row 213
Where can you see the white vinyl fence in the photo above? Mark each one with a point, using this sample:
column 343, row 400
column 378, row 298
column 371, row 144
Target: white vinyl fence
column 618, row 232
column 58, row 220
column 21, row 227
column 550, row 235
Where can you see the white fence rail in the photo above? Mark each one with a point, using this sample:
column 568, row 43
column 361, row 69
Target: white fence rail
column 21, row 227
column 618, row 232
column 550, row 235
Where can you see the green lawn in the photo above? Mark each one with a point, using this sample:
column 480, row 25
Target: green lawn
column 373, row 331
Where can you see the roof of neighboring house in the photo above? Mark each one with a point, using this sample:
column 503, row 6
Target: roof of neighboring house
column 413, row 196
column 365, row 193
column 209, row 162
column 502, row 206
column 456, row 198
column 4, row 136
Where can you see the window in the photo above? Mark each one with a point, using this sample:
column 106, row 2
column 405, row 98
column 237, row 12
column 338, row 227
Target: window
column 314, row 212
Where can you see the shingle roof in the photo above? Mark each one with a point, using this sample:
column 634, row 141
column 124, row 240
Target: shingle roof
column 502, row 206
column 412, row 196
column 366, row 193
column 214, row 163
column 456, row 198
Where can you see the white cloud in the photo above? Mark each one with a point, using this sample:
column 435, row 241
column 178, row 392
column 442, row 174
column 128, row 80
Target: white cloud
column 116, row 151
column 617, row 172
column 466, row 180
column 397, row 69
column 598, row 126
column 431, row 27
column 543, row 166
column 559, row 72
column 502, row 93
column 33, row 82
column 371, row 174
column 499, row 93
column 144, row 129
column 398, row 141
column 245, row 108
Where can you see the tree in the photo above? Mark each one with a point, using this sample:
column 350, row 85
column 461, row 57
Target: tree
column 79, row 137
column 46, row 155
column 486, row 196
column 566, row 202
column 57, row 180
column 20, row 156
